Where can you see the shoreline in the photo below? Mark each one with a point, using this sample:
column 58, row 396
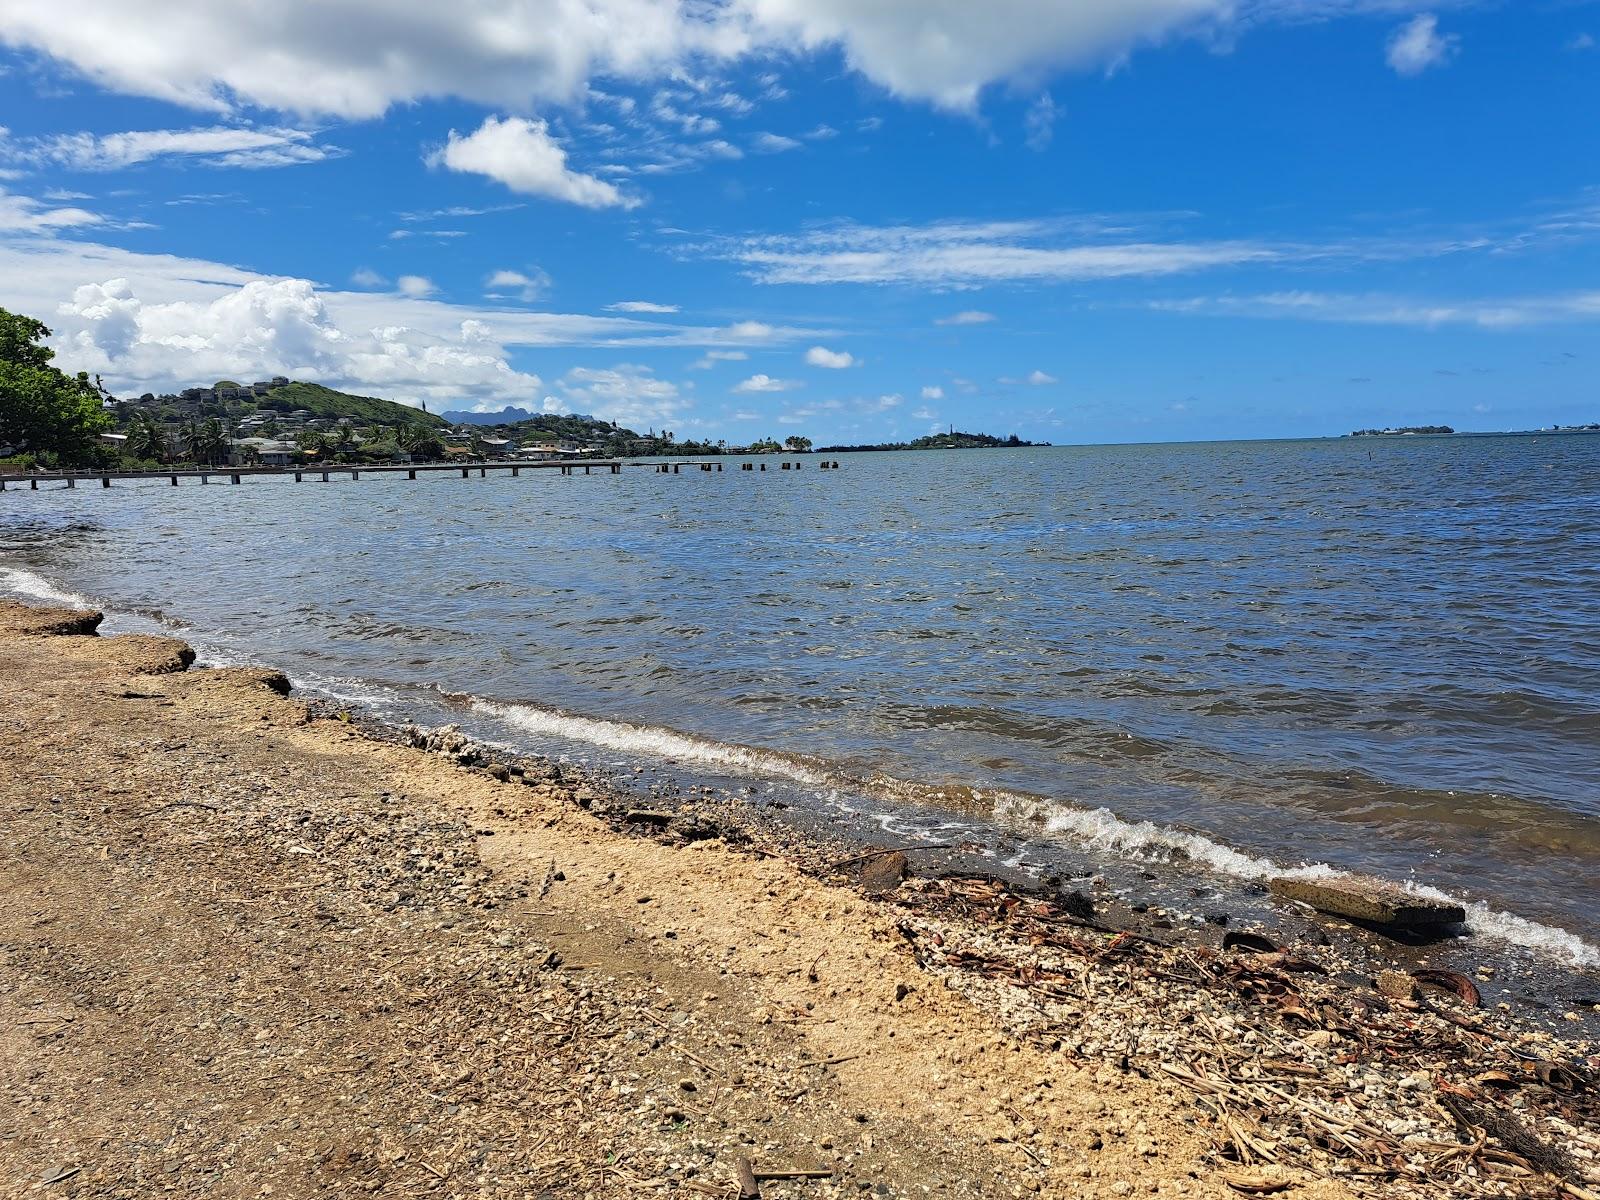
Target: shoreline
column 218, row 894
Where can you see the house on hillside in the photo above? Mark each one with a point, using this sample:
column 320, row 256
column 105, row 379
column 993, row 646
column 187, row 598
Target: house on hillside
column 267, row 452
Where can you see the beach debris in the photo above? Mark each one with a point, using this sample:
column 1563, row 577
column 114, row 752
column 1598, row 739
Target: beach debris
column 1453, row 982
column 449, row 742
column 1396, row 985
column 749, row 1189
column 882, row 874
column 1372, row 901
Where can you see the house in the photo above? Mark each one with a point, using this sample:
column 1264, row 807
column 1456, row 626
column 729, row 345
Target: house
column 261, row 387
column 279, row 381
column 117, row 441
column 266, row 451
column 499, row 447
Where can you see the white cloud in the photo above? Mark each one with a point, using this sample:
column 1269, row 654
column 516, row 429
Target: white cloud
column 833, row 360
column 1509, row 313
column 1581, row 41
column 972, row 254
column 766, row 383
column 357, row 58
column 885, row 403
column 641, row 306
column 924, row 414
column 773, row 143
column 933, row 392
column 219, row 145
column 415, row 286
column 751, row 330
column 712, row 357
column 24, row 214
column 1040, row 379
column 1418, row 45
column 151, row 322
column 528, row 285
column 521, row 154
column 368, row 278
column 970, row 317
column 946, row 51
column 1039, row 125
column 628, row 394
column 821, row 133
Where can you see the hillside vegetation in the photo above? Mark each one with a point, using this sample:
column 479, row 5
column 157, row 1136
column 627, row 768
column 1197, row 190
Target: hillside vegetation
column 322, row 401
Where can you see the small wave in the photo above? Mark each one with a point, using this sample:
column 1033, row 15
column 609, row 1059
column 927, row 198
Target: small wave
column 1101, row 829
column 37, row 587
column 655, row 740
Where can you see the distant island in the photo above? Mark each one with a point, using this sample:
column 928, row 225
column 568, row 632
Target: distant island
column 954, row 440
column 1402, row 431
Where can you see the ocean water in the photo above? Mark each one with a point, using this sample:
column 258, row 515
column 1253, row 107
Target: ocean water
column 1372, row 654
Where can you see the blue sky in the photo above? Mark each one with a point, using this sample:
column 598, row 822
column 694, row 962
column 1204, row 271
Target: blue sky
column 1111, row 220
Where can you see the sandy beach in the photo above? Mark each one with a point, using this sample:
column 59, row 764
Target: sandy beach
column 254, row 949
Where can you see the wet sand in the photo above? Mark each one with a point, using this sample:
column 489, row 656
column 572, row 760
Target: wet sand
column 254, row 949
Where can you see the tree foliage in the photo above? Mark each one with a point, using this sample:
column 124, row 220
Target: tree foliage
column 56, row 418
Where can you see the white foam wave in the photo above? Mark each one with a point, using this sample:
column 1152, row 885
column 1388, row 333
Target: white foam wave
column 36, row 587
column 1101, row 829
column 653, row 740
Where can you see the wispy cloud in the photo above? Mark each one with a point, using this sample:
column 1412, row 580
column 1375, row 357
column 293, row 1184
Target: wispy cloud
column 641, row 306
column 971, row 316
column 218, row 145
column 1418, row 45
column 765, row 383
column 1378, row 309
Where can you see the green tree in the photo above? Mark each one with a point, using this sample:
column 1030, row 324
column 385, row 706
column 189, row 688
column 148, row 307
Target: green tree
column 797, row 444
column 313, row 443
column 147, row 440
column 51, row 415
column 208, row 443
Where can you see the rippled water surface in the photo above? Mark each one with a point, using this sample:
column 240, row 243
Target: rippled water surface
column 1373, row 653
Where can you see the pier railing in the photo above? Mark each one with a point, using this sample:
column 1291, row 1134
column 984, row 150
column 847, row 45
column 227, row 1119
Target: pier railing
column 324, row 472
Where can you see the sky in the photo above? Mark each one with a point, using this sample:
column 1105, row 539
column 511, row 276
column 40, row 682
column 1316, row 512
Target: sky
column 858, row 220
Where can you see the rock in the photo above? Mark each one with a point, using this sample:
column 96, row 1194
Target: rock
column 882, row 874
column 1370, row 900
column 48, row 622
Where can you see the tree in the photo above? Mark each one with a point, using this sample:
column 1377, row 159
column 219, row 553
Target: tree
column 797, row 444
column 44, row 411
column 208, row 443
column 146, row 439
column 313, row 443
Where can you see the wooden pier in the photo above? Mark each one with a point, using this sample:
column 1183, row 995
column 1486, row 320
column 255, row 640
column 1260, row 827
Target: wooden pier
column 325, row 472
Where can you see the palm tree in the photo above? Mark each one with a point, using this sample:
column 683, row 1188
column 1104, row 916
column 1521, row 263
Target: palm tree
column 146, row 439
column 210, row 444
column 313, row 443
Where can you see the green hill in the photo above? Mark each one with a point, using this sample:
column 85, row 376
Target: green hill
column 322, row 401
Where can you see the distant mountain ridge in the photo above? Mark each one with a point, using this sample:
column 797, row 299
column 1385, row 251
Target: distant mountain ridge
column 506, row 416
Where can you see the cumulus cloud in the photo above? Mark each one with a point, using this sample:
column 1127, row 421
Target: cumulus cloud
column 1418, row 45
column 221, row 145
column 526, row 285
column 970, row 316
column 522, row 155
column 368, row 278
column 641, row 306
column 933, row 392
column 628, row 394
column 1040, row 378
column 151, row 322
column 415, row 286
column 356, row 58
column 765, row 383
column 833, row 360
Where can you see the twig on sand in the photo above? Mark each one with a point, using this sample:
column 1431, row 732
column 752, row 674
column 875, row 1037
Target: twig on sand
column 178, row 804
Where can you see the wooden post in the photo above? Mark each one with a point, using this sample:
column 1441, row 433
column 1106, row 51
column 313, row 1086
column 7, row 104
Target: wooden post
column 355, row 474
column 174, row 481
column 299, row 477
column 71, row 483
column 324, row 477
column 33, row 485
column 205, row 479
column 763, row 466
column 616, row 468
column 231, row 478
column 675, row 468
column 411, row 474
column 719, row 466
column 585, row 468
column 515, row 472
column 785, row 466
